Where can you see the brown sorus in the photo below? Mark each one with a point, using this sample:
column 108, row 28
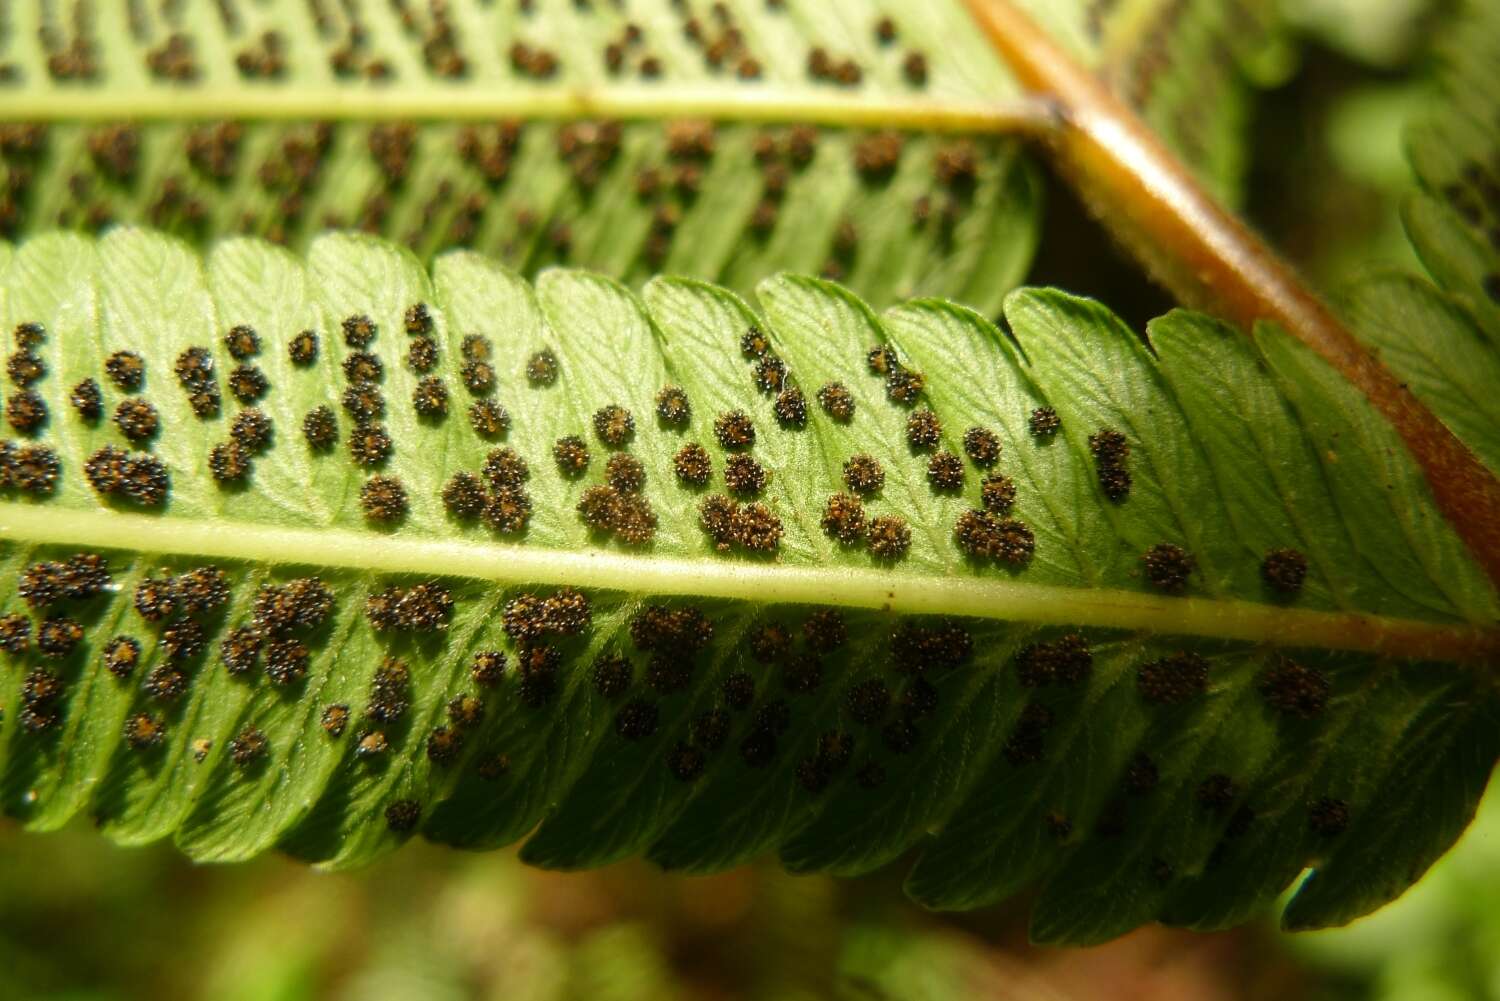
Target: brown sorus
column 464, row 496
column 692, row 465
column 422, row 354
column 986, row 536
column 614, row 425
column 478, row 377
column 1328, row 817
column 1111, row 452
column 87, row 400
column 844, row 518
column 125, row 369
column 998, row 494
column 24, row 368
column 790, row 408
column 1044, row 422
column 868, row 701
column 888, row 537
column 383, row 499
column 303, row 348
column 636, row 720
column 1168, row 567
column 34, row 469
column 286, row 662
column 864, row 475
column 508, row 510
column 359, row 330
column 362, row 367
column 744, row 476
column 165, row 685
column 770, row 374
column 825, row 630
column 182, row 640
column 734, row 430
column 488, row 419
column 541, row 368
column 143, row 731
column 240, row 651
column 488, row 668
column 754, row 343
column 320, row 428
column 137, row 420
column 1294, row 689
column 430, row 397
column 837, row 402
column 625, row 473
column 982, row 446
column 1065, row 662
column 612, row 676
column 923, row 430
column 390, row 691
column 249, row 746
column 945, row 472
column 229, row 462
column 444, row 745
column 418, row 320
column 369, row 445
column 918, row 649
column 571, row 455
column 25, row 411
column 122, row 655
column 503, row 467
column 251, row 428
column 1173, row 679
column 903, row 386
column 770, row 643
column 334, row 719
column 672, row 406
column 1027, row 742
column 1284, row 571
column 242, row 342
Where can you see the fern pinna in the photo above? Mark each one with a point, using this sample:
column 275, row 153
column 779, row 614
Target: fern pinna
column 355, row 550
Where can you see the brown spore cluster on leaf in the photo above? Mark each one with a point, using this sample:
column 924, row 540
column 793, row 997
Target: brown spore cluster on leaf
column 1168, row 567
column 1111, row 452
column 425, row 607
column 1065, row 662
column 1294, row 689
column 1174, row 679
column 751, row 528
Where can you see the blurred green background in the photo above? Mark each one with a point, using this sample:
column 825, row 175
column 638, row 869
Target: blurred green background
column 81, row 919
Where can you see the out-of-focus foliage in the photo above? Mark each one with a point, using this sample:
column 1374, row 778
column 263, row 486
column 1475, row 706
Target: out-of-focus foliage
column 78, row 921
column 81, row 920
column 1382, row 33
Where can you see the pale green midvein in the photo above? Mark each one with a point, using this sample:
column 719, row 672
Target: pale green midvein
column 1015, row 115
column 721, row 578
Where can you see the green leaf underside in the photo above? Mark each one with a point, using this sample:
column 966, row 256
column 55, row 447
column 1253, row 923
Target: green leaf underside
column 1236, row 449
column 287, row 157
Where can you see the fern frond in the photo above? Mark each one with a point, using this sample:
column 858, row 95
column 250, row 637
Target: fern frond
column 1154, row 625
column 869, row 142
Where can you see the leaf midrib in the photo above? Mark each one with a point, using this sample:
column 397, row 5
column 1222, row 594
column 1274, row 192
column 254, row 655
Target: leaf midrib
column 895, row 591
column 720, row 103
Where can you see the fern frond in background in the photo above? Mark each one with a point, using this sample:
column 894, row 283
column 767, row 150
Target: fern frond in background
column 853, row 139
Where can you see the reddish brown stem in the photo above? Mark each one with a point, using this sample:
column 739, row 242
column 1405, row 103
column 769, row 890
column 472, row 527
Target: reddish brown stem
column 1209, row 259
